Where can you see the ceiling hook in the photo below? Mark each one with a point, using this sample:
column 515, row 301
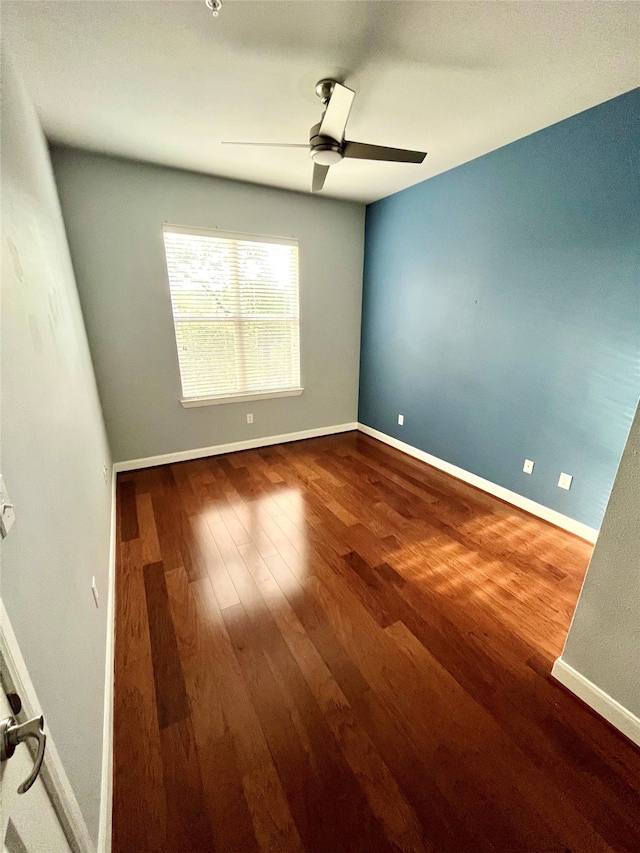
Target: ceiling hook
column 214, row 6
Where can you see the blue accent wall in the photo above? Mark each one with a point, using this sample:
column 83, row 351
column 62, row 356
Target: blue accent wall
column 501, row 310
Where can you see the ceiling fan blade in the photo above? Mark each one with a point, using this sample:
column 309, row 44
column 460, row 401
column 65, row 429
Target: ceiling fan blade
column 319, row 175
column 362, row 151
column 271, row 144
column 337, row 112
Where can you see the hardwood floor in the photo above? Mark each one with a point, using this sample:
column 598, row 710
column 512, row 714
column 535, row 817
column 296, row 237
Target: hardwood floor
column 329, row 646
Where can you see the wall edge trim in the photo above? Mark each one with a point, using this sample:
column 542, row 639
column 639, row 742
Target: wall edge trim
column 106, row 782
column 232, row 447
column 606, row 706
column 550, row 515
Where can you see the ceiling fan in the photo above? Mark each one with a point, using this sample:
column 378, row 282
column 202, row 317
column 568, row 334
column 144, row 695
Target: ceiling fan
column 327, row 145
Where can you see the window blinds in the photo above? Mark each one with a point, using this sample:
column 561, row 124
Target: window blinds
column 235, row 311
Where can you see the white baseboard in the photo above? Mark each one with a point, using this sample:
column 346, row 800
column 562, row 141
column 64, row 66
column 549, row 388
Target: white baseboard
column 106, row 785
column 52, row 774
column 233, row 447
column 595, row 698
column 563, row 521
column 550, row 515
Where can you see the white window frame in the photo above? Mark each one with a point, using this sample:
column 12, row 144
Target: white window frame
column 222, row 399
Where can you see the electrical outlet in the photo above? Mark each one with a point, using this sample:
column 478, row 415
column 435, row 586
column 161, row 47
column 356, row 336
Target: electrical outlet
column 249, row 418
column 94, row 590
column 528, row 466
column 105, row 472
column 565, row 481
column 401, row 420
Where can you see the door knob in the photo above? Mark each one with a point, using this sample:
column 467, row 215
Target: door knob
column 12, row 733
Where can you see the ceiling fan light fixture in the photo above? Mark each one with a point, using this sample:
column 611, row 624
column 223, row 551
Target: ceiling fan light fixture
column 326, row 154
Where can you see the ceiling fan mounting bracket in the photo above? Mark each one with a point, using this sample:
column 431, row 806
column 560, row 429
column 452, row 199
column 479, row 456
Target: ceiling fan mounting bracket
column 324, row 89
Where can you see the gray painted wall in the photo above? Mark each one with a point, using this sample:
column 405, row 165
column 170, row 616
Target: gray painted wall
column 604, row 638
column 53, row 447
column 114, row 211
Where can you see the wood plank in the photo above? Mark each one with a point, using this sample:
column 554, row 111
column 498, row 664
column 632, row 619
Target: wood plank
column 127, row 510
column 171, row 693
column 138, row 782
column 151, row 552
column 272, row 822
column 178, row 545
column 188, row 826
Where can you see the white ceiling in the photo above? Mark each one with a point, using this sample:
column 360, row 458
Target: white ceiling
column 165, row 82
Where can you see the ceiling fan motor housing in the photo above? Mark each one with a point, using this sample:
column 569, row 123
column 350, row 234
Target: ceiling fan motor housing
column 324, row 150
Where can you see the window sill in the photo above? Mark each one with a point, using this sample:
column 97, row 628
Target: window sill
column 192, row 402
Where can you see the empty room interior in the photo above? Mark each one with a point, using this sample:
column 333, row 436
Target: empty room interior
column 319, row 427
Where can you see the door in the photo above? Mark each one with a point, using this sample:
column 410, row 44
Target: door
column 28, row 822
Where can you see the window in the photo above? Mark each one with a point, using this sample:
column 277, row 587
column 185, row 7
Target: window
column 235, row 313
